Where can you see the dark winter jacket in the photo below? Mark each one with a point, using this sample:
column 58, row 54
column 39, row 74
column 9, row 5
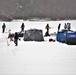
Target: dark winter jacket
column 3, row 26
column 22, row 26
column 59, row 27
column 16, row 36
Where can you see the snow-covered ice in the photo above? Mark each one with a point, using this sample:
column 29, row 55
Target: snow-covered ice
column 36, row 57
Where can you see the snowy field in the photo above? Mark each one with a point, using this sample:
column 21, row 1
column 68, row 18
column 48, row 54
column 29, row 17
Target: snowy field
column 46, row 57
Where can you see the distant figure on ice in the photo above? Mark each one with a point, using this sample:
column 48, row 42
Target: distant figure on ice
column 65, row 26
column 59, row 26
column 69, row 26
column 22, row 27
column 16, row 39
column 3, row 27
column 47, row 28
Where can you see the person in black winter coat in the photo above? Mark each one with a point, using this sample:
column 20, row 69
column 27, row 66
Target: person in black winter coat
column 65, row 26
column 3, row 27
column 69, row 26
column 22, row 27
column 16, row 39
column 59, row 26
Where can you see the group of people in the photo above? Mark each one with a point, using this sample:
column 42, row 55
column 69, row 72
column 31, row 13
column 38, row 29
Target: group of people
column 15, row 36
column 67, row 26
column 22, row 30
column 47, row 27
column 4, row 27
